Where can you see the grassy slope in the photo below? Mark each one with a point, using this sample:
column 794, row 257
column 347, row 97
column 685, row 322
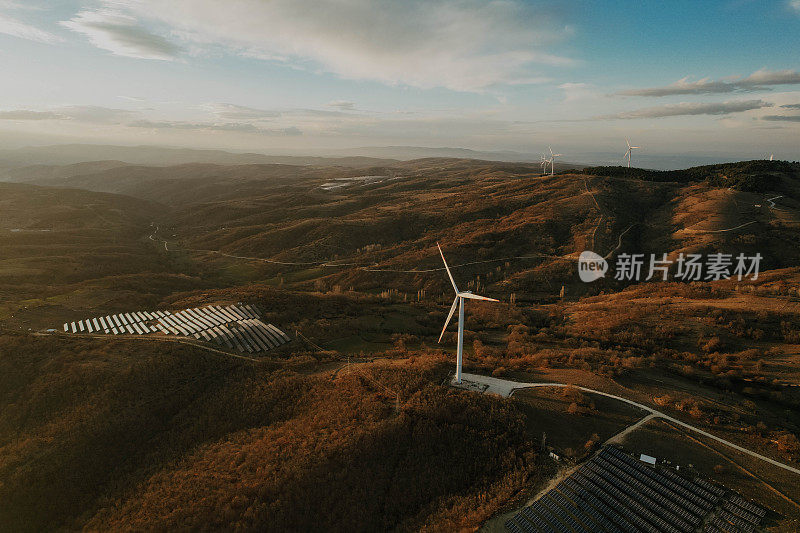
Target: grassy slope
column 119, row 436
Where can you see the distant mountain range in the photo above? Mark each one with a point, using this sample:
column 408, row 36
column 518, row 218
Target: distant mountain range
column 69, row 154
column 368, row 156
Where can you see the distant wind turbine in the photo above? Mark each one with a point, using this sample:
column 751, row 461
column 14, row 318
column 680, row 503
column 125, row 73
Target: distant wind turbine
column 459, row 301
column 629, row 152
column 552, row 160
column 543, row 163
column 771, row 157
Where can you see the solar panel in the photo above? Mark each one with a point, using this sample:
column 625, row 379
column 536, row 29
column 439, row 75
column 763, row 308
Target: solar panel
column 243, row 339
column 227, row 314
column 723, row 526
column 741, row 513
column 539, row 523
column 233, row 338
column 196, row 319
column 633, row 498
column 259, row 329
column 748, row 506
column 663, row 486
column 692, row 487
column 743, row 525
column 512, row 526
column 279, row 333
column 598, row 498
column 547, row 513
column 225, row 336
column 563, row 515
column 252, row 329
column 713, row 489
column 276, row 339
column 578, row 496
column 573, row 513
column 666, row 477
column 645, row 495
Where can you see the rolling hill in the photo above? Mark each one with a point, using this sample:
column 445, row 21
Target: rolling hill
column 346, row 425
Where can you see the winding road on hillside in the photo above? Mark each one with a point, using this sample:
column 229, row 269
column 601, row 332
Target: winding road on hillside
column 507, row 388
column 771, row 207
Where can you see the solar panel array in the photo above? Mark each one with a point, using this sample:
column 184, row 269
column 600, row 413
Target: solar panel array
column 237, row 327
column 615, row 492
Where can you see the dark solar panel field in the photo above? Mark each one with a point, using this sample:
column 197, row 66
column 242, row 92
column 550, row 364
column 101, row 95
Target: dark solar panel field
column 237, row 327
column 616, row 493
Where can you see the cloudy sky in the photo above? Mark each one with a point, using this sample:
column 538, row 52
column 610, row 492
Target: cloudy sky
column 287, row 76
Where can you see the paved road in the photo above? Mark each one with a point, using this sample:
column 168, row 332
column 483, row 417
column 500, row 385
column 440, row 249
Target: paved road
column 619, row 437
column 507, row 388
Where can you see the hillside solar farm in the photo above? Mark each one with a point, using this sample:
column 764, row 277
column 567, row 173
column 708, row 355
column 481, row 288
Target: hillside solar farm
column 615, row 492
column 237, row 327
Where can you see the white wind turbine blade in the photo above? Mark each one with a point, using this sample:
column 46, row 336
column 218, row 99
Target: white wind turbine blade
column 449, row 316
column 475, row 297
column 637, row 147
column 628, row 143
column 447, row 268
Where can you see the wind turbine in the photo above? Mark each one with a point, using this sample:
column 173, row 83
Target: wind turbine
column 459, row 301
column 771, row 157
column 543, row 163
column 552, row 160
column 629, row 152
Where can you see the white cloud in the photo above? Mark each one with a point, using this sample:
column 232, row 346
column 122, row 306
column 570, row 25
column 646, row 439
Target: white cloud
column 121, row 34
column 27, row 114
column 690, row 108
column 16, row 28
column 758, row 81
column 466, row 45
column 576, row 91
column 238, row 127
column 80, row 113
column 343, row 105
column 238, row 112
column 794, row 5
column 782, row 118
column 95, row 114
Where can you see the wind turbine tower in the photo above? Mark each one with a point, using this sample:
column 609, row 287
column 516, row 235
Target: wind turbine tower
column 629, row 152
column 458, row 302
column 552, row 160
